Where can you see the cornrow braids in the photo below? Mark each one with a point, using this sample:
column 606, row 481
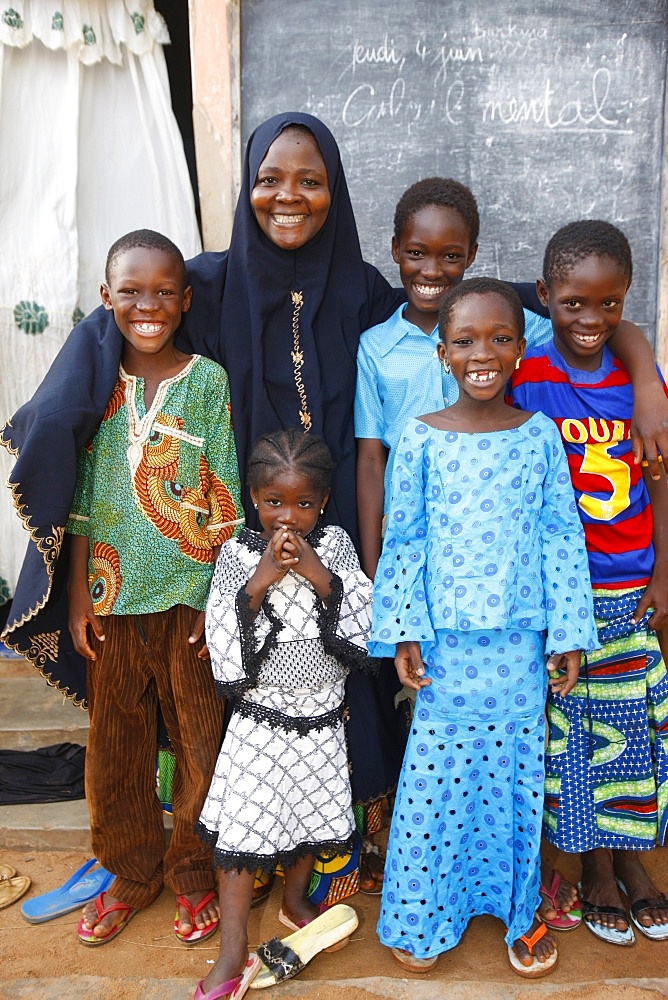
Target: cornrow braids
column 581, row 239
column 479, row 286
column 281, row 451
column 149, row 239
column 443, row 192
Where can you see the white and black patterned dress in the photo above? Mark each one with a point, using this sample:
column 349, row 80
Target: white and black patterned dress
column 281, row 787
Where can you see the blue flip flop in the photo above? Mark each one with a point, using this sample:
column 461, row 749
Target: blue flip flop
column 80, row 888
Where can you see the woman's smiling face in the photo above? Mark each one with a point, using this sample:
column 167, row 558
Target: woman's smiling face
column 290, row 197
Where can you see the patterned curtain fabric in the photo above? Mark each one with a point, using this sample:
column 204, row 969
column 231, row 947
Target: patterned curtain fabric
column 89, row 149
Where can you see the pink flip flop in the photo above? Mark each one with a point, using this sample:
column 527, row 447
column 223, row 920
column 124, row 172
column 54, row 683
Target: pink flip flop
column 197, row 934
column 233, row 988
column 565, row 920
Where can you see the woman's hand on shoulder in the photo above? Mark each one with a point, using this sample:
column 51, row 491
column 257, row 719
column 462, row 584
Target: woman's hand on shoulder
column 563, row 670
column 409, row 665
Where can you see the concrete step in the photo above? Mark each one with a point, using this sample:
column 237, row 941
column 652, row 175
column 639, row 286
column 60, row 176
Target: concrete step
column 15, row 666
column 45, row 826
column 33, row 714
column 50, row 826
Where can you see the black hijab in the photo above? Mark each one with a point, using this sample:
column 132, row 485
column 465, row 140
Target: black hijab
column 342, row 297
column 241, row 316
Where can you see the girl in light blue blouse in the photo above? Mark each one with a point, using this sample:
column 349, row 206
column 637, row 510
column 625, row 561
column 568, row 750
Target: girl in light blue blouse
column 483, row 574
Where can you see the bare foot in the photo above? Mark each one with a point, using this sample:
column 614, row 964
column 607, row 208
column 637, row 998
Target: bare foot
column 541, row 950
column 231, row 960
column 629, row 870
column 299, row 909
column 92, row 922
column 208, row 915
column 600, row 889
column 566, row 894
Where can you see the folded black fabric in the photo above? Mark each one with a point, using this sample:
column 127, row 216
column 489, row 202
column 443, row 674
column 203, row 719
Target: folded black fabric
column 50, row 774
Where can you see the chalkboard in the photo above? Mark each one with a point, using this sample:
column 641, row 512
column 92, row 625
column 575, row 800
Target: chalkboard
column 548, row 111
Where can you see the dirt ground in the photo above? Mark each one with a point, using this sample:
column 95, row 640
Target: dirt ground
column 32, row 955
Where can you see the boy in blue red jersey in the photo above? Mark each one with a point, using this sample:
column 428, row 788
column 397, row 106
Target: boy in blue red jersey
column 607, row 760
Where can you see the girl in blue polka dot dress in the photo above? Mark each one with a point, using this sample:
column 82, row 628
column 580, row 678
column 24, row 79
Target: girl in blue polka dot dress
column 483, row 574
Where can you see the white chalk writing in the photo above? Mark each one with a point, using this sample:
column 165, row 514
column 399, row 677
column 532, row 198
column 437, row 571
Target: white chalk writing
column 590, row 113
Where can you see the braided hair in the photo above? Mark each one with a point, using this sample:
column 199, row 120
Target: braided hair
column 291, row 450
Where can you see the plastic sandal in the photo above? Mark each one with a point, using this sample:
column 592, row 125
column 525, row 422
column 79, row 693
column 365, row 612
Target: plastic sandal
column 282, row 919
column 285, row 959
column 236, row 987
column 565, row 920
column 412, row 962
column 655, row 932
column 126, row 912
column 608, row 934
column 12, row 887
column 536, row 969
column 197, row 934
column 80, row 888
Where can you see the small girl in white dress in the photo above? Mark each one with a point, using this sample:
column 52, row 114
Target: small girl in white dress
column 288, row 617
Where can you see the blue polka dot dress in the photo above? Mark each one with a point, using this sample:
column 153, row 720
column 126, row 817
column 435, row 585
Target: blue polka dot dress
column 484, row 564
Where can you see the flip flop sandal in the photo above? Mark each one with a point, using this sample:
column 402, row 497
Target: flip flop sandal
column 412, row 962
column 302, row 923
column 197, row 934
column 80, row 888
column 285, row 959
column 536, row 969
column 565, row 920
column 371, row 884
column 6, row 871
column 12, row 887
column 126, row 914
column 655, row 932
column 611, row 935
column 235, row 988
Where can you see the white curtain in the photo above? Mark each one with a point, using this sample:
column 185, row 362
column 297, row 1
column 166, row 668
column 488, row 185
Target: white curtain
column 89, row 150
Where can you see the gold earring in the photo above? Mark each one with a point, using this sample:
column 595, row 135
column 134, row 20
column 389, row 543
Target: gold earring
column 518, row 362
column 446, row 367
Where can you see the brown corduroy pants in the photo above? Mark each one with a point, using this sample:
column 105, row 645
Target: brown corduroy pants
column 146, row 659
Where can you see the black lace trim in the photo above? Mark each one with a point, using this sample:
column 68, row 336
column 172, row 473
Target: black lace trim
column 251, row 660
column 347, row 653
column 289, row 723
column 256, row 543
column 245, row 861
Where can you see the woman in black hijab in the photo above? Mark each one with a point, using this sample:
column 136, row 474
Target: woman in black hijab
column 252, row 331
column 282, row 310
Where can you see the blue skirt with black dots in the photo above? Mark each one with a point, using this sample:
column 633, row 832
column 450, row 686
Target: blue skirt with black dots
column 465, row 833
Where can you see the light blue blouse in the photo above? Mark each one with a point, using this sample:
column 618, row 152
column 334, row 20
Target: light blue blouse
column 482, row 533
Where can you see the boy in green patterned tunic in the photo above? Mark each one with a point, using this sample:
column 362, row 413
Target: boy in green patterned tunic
column 157, row 494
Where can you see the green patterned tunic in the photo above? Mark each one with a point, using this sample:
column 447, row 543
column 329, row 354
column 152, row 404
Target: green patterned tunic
column 157, row 490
